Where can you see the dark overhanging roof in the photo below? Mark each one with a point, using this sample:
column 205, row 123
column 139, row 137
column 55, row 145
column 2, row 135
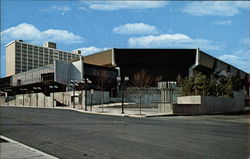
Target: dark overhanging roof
column 154, row 57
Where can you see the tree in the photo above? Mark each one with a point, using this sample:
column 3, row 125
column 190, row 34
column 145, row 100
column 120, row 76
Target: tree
column 143, row 80
column 222, row 86
column 178, row 80
column 225, row 86
column 187, row 85
column 201, row 85
column 102, row 82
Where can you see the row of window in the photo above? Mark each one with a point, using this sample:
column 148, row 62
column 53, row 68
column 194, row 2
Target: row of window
column 45, row 58
column 40, row 49
column 45, row 55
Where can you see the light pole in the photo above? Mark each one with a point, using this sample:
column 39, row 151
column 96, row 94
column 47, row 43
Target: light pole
column 73, row 84
column 37, row 89
column 122, row 83
column 86, row 82
column 91, row 99
column 53, row 89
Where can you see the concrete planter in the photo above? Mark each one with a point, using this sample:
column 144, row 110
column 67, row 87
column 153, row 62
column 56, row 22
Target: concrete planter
column 205, row 105
column 209, row 104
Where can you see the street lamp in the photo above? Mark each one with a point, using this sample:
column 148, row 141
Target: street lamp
column 37, row 89
column 53, row 87
column 86, row 82
column 122, row 83
column 73, row 84
column 91, row 99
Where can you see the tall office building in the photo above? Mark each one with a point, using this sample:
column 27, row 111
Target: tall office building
column 21, row 56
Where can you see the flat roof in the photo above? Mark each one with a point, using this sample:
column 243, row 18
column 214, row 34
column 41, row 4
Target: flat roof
column 13, row 41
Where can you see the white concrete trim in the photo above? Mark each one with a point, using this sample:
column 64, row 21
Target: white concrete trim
column 10, row 43
column 113, row 57
column 197, row 58
column 28, row 147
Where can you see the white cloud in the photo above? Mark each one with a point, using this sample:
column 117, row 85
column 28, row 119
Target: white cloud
column 90, row 50
column 60, row 8
column 216, row 8
column 240, row 59
column 117, row 5
column 223, row 22
column 136, row 28
column 173, row 41
column 243, row 4
column 29, row 32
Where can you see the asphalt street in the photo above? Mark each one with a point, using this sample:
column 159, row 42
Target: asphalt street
column 69, row 134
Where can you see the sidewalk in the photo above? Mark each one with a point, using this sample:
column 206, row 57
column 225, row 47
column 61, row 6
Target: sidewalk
column 107, row 109
column 11, row 149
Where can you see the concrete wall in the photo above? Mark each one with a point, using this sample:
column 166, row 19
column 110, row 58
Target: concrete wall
column 61, row 98
column 78, row 70
column 166, row 108
column 65, row 71
column 35, row 99
column 32, row 76
column 62, row 72
column 190, row 100
column 151, row 95
column 10, row 59
column 97, row 97
column 170, row 95
column 205, row 104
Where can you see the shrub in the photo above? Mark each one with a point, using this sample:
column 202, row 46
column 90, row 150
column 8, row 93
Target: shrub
column 202, row 85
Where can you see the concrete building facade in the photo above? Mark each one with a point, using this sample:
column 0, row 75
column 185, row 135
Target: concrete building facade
column 21, row 56
column 166, row 62
column 59, row 74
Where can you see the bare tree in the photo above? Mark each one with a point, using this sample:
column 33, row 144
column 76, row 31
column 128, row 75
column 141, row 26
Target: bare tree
column 142, row 80
column 178, row 80
column 103, row 82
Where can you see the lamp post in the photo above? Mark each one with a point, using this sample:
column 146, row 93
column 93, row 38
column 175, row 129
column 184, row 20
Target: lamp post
column 91, row 99
column 86, row 82
column 73, row 84
column 122, row 83
column 37, row 89
column 53, row 89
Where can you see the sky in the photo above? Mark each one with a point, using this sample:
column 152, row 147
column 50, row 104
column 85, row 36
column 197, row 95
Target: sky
column 219, row 28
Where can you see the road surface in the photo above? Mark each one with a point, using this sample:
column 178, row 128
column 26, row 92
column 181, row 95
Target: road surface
column 70, row 134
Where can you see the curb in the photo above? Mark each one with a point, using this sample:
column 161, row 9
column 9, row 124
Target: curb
column 28, row 147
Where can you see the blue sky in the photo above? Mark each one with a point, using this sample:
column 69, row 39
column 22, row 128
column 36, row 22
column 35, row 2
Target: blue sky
column 219, row 28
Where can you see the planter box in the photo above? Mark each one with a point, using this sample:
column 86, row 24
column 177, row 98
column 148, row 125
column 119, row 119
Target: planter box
column 208, row 104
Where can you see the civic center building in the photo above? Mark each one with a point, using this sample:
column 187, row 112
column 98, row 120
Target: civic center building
column 30, row 65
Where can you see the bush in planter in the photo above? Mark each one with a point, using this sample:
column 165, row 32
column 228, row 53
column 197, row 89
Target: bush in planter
column 202, row 85
column 225, row 86
column 187, row 85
